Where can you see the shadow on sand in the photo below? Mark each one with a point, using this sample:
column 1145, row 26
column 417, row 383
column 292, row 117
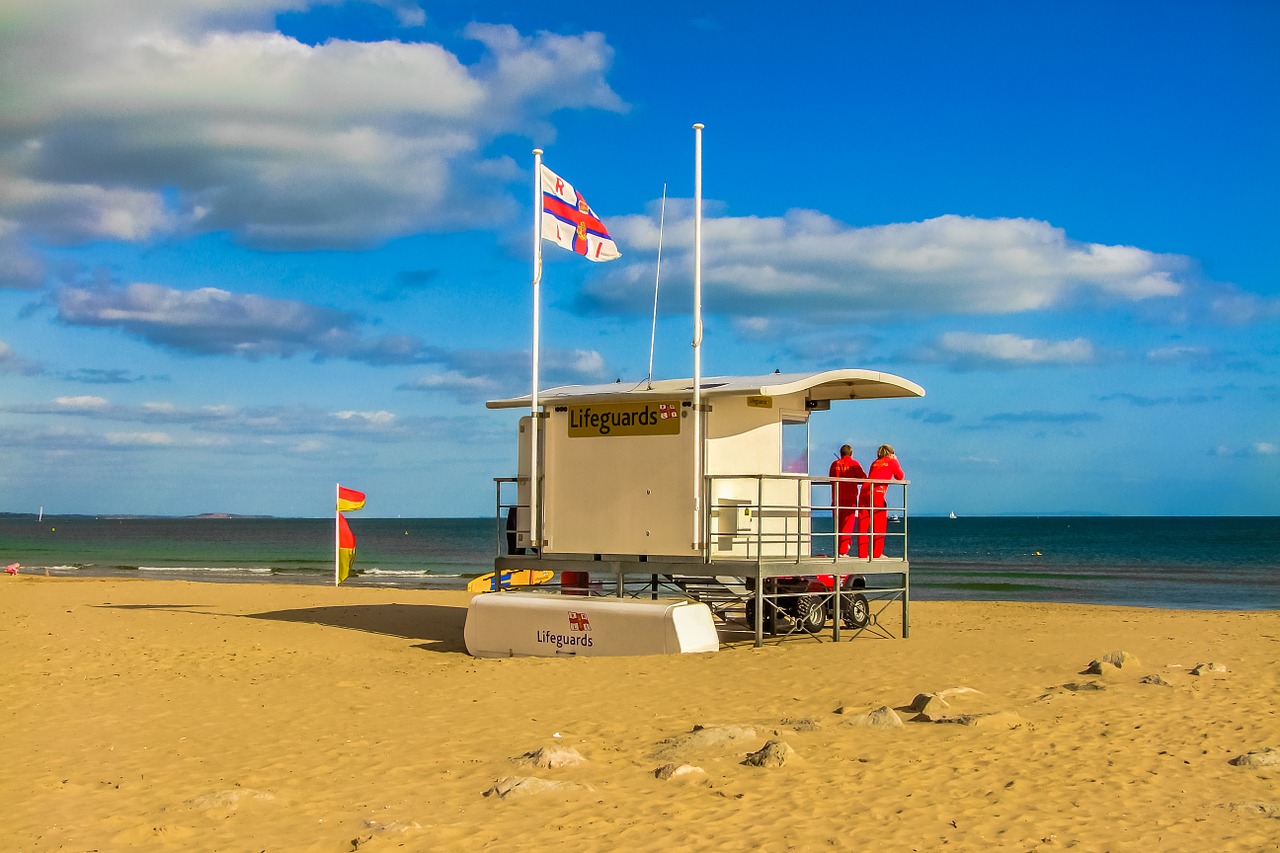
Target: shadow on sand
column 439, row 626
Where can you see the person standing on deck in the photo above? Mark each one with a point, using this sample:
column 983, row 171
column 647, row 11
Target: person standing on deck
column 872, row 518
column 844, row 497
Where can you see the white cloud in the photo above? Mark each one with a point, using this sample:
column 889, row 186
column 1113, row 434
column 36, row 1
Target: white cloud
column 1258, row 448
column 132, row 119
column 1178, row 353
column 807, row 262
column 11, row 362
column 967, row 349
column 381, row 418
column 139, row 439
column 455, row 382
column 84, row 403
column 471, row 375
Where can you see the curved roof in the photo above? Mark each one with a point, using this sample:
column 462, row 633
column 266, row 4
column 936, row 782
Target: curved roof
column 844, row 384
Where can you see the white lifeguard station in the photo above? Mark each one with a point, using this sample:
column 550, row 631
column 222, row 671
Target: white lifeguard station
column 632, row 495
column 698, row 485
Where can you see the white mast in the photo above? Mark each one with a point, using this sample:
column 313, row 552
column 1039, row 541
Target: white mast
column 697, row 337
column 653, row 332
column 535, row 528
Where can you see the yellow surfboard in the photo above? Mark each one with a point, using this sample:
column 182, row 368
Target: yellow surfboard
column 511, row 577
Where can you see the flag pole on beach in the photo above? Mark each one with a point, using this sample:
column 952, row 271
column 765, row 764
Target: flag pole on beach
column 337, row 492
column 535, row 528
column 344, row 541
column 561, row 215
column 697, row 336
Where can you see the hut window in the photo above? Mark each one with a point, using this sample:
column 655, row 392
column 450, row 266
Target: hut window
column 795, row 444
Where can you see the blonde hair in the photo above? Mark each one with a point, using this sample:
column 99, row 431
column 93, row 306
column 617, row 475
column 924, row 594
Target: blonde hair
column 885, row 450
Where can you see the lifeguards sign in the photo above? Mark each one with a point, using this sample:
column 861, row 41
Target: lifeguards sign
column 610, row 419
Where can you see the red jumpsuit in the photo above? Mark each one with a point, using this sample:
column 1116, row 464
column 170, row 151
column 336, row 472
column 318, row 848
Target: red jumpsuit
column 844, row 497
column 885, row 468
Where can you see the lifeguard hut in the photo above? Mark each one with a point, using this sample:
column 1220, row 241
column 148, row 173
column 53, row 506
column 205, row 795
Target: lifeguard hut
column 707, row 489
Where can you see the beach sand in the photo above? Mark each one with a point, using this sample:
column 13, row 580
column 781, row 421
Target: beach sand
column 160, row 715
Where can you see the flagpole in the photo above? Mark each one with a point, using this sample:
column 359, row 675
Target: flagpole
column 337, row 538
column 534, row 526
column 697, row 337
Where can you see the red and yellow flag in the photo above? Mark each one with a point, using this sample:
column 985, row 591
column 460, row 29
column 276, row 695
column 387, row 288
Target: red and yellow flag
column 349, row 499
column 346, row 547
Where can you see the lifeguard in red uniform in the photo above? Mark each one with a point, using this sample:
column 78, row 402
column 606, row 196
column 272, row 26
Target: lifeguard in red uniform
column 844, row 496
column 871, row 515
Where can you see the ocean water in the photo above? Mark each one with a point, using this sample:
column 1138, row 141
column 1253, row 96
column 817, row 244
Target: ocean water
column 1185, row 563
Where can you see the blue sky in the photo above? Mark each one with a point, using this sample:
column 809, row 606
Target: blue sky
column 251, row 248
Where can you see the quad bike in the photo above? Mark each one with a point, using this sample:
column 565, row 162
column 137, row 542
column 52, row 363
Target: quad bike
column 807, row 603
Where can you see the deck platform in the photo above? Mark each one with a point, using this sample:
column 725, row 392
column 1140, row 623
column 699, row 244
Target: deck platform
column 739, row 591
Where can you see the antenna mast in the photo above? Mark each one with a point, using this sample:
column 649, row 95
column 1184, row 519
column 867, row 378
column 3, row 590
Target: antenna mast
column 653, row 333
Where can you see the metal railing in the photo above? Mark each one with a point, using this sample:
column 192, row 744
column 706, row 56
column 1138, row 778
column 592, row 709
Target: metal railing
column 768, row 518
column 778, row 518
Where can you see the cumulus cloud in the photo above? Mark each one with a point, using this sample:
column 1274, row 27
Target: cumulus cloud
column 471, row 375
column 1146, row 402
column 1235, row 307
column 970, row 350
column 1042, row 417
column 212, row 321
column 207, row 320
column 133, row 119
column 808, row 263
column 1257, row 449
column 102, row 376
column 20, row 267
column 1178, row 353
column 161, row 418
column 11, row 362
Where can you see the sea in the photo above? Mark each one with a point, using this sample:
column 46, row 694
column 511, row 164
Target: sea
column 1201, row 563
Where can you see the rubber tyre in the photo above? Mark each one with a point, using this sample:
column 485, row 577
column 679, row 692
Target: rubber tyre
column 811, row 613
column 857, row 612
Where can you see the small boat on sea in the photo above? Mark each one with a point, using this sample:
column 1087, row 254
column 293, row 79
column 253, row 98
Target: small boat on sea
column 953, row 515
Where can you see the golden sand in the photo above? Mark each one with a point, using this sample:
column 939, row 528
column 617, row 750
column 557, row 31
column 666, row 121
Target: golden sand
column 159, row 715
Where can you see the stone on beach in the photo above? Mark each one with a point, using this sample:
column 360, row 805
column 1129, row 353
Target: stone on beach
column 774, row 753
column 883, row 717
column 1110, row 662
column 551, row 756
column 802, row 724
column 1154, row 679
column 672, row 771
column 924, row 702
column 1255, row 758
column 229, row 799
column 995, row 720
column 1202, row 668
column 514, row 787
column 929, row 707
column 704, row 738
column 1084, row 686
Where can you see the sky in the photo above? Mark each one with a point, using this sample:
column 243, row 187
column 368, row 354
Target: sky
column 252, row 248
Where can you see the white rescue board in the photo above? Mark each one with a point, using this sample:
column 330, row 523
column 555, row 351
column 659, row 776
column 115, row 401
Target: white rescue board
column 533, row 625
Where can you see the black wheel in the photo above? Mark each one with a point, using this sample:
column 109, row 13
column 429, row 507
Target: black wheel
column 811, row 613
column 857, row 612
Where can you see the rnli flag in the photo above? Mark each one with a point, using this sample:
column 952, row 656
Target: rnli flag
column 569, row 221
